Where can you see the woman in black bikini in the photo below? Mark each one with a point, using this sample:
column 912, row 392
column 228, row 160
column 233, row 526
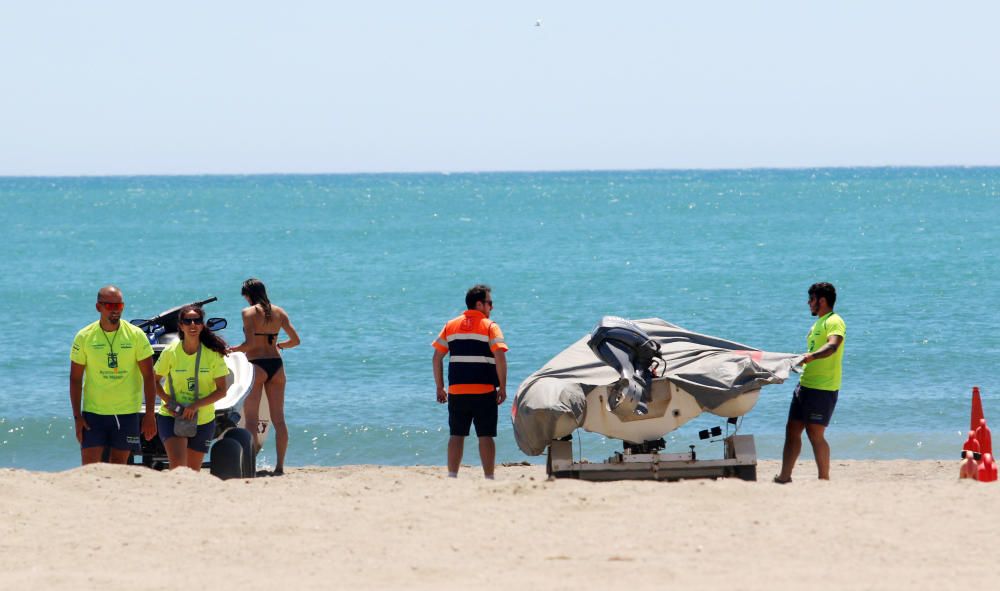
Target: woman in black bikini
column 261, row 323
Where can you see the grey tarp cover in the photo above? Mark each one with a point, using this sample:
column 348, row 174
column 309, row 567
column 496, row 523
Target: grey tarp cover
column 551, row 402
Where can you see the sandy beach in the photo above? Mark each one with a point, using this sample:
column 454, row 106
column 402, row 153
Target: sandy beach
column 877, row 525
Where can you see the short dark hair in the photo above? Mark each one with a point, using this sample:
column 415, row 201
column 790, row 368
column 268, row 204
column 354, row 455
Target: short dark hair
column 477, row 293
column 824, row 290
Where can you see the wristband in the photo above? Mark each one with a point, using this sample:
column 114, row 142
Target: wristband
column 178, row 409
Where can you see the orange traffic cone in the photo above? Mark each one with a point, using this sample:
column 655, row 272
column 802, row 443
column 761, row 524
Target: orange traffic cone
column 984, row 437
column 969, row 468
column 971, row 444
column 987, row 469
column 977, row 409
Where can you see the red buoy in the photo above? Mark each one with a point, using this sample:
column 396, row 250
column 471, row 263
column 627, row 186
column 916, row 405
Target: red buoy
column 977, row 409
column 987, row 469
column 969, row 468
column 971, row 444
column 984, row 437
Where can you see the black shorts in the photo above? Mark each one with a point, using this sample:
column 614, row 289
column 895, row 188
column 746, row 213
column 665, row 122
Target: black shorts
column 116, row 431
column 812, row 406
column 466, row 409
column 200, row 442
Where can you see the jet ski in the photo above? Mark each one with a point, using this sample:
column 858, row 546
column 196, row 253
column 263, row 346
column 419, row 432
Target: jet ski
column 232, row 454
column 636, row 381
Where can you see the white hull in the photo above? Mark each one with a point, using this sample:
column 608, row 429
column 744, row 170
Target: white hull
column 238, row 385
column 670, row 408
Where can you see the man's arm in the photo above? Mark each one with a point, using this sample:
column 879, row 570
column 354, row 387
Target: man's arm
column 501, row 356
column 75, row 397
column 829, row 348
column 438, row 364
column 149, row 393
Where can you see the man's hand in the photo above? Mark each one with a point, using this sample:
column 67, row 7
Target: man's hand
column 81, row 426
column 438, row 364
column 501, row 395
column 828, row 348
column 149, row 425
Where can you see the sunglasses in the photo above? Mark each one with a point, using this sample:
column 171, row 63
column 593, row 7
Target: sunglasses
column 489, row 302
column 190, row 321
column 112, row 306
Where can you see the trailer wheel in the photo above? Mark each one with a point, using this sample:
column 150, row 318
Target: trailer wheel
column 245, row 439
column 227, row 459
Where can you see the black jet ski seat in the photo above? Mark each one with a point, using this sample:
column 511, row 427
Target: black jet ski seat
column 624, row 346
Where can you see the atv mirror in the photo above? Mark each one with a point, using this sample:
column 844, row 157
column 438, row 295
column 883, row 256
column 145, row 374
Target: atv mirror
column 214, row 324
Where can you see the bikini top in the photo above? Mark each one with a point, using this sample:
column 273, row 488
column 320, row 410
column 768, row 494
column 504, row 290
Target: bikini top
column 270, row 336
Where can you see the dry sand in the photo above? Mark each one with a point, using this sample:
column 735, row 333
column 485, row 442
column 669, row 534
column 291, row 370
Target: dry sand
column 877, row 525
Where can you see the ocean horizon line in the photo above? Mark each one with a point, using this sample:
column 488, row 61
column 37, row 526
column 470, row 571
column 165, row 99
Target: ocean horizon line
column 508, row 171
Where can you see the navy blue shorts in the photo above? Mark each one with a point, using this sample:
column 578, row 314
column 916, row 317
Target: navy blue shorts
column 466, row 409
column 200, row 442
column 115, row 431
column 810, row 405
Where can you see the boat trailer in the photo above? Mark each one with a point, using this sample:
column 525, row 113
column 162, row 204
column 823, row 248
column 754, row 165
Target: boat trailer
column 645, row 462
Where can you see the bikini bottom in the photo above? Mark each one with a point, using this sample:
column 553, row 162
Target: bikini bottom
column 270, row 365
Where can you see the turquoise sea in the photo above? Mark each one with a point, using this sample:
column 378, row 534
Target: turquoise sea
column 370, row 266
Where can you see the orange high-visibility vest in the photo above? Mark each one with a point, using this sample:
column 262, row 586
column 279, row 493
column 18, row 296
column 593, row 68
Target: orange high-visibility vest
column 470, row 340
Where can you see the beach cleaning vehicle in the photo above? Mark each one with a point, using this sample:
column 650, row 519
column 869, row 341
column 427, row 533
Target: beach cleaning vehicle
column 232, row 453
column 636, row 381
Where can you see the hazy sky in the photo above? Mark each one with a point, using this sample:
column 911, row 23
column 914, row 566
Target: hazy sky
column 116, row 87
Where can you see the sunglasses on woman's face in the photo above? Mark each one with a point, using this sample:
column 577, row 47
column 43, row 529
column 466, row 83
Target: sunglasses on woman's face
column 190, row 321
column 113, row 306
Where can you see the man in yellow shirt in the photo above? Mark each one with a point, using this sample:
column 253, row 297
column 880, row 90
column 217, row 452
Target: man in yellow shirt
column 111, row 362
column 816, row 395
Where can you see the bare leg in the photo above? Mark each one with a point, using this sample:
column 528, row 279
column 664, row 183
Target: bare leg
column 91, row 455
column 119, row 456
column 176, row 451
column 487, row 455
column 793, row 447
column 456, row 445
column 276, row 405
column 194, row 459
column 821, row 449
column 251, row 406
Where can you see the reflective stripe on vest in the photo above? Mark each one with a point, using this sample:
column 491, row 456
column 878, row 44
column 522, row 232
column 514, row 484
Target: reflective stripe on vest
column 470, row 362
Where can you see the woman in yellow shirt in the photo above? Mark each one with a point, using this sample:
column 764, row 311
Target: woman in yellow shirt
column 194, row 371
